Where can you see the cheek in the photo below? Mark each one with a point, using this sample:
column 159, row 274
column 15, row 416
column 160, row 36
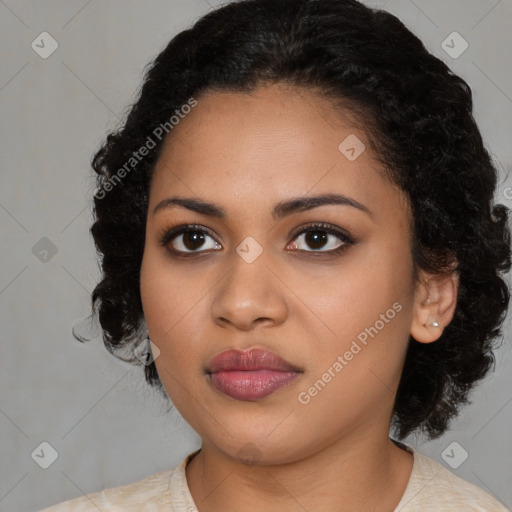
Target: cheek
column 365, row 286
column 167, row 295
column 355, row 366
column 173, row 302
column 366, row 313
column 168, row 309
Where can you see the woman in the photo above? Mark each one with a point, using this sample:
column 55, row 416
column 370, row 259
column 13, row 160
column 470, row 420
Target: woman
column 298, row 214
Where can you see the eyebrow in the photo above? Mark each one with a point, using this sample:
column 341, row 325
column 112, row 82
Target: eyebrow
column 280, row 210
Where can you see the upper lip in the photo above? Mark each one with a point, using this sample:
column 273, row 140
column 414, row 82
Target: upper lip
column 255, row 359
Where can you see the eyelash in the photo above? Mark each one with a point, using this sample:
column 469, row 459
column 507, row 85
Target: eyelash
column 168, row 234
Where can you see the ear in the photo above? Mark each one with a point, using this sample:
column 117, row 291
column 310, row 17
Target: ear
column 434, row 305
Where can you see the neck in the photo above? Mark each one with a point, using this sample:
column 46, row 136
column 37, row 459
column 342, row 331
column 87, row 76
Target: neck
column 360, row 473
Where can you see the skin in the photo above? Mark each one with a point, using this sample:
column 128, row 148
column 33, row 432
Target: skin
column 247, row 152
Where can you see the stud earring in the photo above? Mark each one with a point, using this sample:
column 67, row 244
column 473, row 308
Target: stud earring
column 431, row 322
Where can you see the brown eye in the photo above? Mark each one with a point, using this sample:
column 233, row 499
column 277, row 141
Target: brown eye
column 320, row 236
column 189, row 239
column 316, row 239
column 193, row 240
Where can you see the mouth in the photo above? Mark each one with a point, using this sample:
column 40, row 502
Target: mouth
column 250, row 375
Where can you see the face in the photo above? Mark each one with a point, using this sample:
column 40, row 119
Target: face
column 335, row 302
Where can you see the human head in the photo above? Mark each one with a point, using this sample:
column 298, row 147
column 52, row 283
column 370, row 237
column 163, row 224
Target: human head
column 418, row 117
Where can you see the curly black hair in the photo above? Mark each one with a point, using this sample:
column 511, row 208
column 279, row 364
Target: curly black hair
column 422, row 128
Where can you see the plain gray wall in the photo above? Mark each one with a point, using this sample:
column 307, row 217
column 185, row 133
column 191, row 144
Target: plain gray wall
column 106, row 425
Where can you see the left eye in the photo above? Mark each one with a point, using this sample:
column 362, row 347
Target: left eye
column 317, row 237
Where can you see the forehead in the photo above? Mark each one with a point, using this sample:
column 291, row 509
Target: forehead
column 273, row 143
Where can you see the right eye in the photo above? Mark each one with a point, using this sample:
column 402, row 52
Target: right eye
column 187, row 239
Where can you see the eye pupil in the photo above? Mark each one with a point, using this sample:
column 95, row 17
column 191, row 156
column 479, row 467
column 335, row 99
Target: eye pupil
column 315, row 240
column 191, row 239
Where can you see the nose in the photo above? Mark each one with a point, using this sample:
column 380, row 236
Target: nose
column 250, row 294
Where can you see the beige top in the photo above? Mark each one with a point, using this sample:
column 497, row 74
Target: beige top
column 431, row 488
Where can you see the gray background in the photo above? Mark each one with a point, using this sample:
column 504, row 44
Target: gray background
column 106, row 425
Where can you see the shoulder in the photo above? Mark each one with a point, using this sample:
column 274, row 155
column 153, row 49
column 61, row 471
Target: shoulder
column 433, row 487
column 150, row 493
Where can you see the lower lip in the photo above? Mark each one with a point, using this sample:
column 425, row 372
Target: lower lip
column 250, row 385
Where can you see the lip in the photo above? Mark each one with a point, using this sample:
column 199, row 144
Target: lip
column 250, row 375
column 255, row 359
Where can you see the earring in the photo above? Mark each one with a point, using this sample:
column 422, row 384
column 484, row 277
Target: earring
column 431, row 322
